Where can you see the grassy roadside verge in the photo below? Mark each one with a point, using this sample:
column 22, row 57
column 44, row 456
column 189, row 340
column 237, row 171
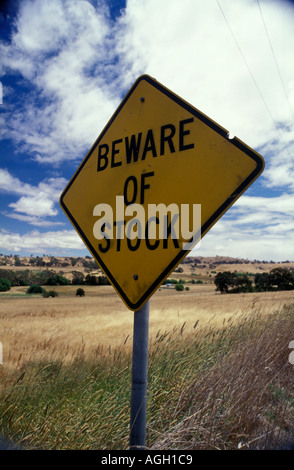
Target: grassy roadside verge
column 213, row 388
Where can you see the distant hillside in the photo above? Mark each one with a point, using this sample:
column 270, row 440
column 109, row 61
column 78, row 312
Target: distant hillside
column 190, row 263
column 224, row 263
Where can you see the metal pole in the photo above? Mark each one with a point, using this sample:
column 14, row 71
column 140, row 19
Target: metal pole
column 139, row 378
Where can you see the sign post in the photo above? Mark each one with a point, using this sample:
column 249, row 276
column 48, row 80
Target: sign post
column 139, row 378
column 132, row 201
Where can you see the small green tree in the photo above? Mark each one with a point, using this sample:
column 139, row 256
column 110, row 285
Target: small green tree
column 80, row 292
column 179, row 287
column 5, row 284
column 50, row 293
column 35, row 289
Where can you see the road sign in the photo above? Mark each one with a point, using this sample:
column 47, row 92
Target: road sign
column 156, row 150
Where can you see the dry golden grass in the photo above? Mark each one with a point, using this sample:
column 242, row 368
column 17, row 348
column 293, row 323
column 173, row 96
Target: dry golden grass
column 34, row 328
column 226, row 383
column 245, row 399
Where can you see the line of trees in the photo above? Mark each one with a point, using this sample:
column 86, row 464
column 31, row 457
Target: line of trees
column 26, row 277
column 277, row 279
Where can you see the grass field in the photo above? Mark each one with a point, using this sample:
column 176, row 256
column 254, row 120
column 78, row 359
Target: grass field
column 219, row 374
column 33, row 327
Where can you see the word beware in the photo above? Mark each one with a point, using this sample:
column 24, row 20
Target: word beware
column 137, row 147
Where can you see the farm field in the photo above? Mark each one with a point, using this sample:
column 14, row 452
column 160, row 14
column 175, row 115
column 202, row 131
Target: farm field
column 219, row 370
column 33, row 327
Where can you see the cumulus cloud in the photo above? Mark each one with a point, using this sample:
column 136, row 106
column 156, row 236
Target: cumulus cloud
column 250, row 244
column 40, row 205
column 40, row 242
column 64, row 50
column 36, row 202
column 255, row 227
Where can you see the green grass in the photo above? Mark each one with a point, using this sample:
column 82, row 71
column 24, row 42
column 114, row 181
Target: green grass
column 210, row 388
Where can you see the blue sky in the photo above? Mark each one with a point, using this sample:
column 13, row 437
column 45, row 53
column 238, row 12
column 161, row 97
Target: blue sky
column 65, row 67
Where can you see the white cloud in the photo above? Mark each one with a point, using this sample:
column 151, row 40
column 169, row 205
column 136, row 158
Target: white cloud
column 32, row 220
column 254, row 228
column 38, row 242
column 40, row 205
column 260, row 246
column 36, row 30
column 64, row 49
column 228, row 238
column 35, row 201
column 283, row 204
column 13, row 185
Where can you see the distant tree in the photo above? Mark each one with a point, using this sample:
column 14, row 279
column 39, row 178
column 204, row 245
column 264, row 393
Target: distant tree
column 57, row 280
column 40, row 262
column 170, row 281
column 35, row 289
column 262, row 282
column 225, row 280
column 243, row 284
column 103, row 281
column 91, row 280
column 278, row 279
column 179, row 287
column 73, row 261
column 78, row 278
column 5, row 284
column 17, row 261
column 80, row 292
column 50, row 293
column 90, row 264
column 281, row 279
column 179, row 270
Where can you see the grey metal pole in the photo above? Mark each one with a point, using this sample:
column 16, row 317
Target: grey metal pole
column 139, row 378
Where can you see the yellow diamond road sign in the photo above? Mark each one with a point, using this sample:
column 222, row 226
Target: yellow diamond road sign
column 157, row 153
